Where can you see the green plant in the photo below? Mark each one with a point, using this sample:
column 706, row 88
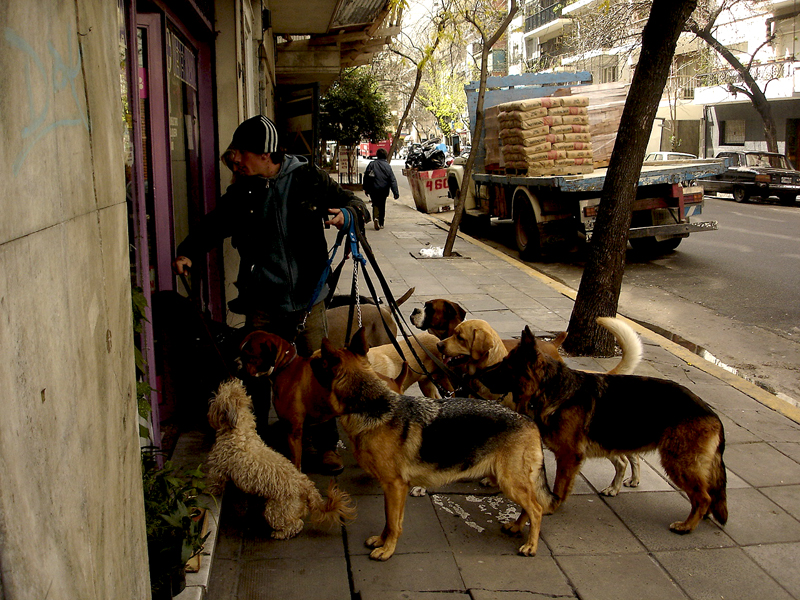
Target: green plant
column 172, row 506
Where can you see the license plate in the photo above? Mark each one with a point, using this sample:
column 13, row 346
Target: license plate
column 786, row 180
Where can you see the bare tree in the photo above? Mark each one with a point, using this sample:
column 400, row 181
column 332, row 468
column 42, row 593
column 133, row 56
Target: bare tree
column 598, row 293
column 487, row 41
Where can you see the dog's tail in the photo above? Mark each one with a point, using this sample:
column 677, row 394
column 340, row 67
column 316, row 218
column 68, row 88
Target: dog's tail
column 628, row 340
column 719, row 482
column 337, row 509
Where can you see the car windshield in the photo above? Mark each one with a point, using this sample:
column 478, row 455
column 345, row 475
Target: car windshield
column 776, row 161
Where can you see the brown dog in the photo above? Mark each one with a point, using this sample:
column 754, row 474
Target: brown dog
column 386, row 360
column 422, row 441
column 583, row 415
column 297, row 395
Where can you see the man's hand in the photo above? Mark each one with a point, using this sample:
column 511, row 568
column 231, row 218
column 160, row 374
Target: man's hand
column 180, row 264
column 337, row 220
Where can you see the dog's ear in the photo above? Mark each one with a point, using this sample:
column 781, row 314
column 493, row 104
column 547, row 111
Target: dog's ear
column 458, row 311
column 481, row 343
column 327, row 347
column 527, row 337
column 359, row 345
column 559, row 339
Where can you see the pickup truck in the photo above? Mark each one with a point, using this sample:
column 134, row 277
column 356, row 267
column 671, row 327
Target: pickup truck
column 555, row 212
column 761, row 174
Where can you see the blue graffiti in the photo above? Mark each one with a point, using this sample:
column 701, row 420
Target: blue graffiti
column 63, row 75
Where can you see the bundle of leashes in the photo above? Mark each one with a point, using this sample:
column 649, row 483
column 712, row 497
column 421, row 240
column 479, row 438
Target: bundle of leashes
column 354, row 232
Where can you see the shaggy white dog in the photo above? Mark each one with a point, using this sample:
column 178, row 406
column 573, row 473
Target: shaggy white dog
column 240, row 455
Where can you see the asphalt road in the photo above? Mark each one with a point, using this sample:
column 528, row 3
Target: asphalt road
column 730, row 295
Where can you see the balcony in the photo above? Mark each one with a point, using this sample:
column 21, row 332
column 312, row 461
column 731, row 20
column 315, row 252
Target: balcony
column 542, row 17
column 779, row 79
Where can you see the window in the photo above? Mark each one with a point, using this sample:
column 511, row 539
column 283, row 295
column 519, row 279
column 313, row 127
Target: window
column 731, row 132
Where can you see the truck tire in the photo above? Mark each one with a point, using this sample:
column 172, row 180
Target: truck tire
column 526, row 232
column 740, row 194
column 452, row 187
column 787, row 199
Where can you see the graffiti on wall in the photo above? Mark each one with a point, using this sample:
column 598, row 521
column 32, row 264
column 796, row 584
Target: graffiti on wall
column 52, row 72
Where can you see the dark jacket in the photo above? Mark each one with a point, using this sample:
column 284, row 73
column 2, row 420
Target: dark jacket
column 276, row 226
column 379, row 179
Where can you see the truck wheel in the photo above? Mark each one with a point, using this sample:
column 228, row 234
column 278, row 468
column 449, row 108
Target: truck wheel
column 527, row 232
column 787, row 199
column 452, row 186
column 740, row 194
column 652, row 246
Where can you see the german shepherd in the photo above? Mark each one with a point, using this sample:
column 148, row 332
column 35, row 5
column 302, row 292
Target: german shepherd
column 583, row 415
column 404, row 441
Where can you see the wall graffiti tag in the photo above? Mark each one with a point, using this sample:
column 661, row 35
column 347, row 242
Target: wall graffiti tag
column 59, row 76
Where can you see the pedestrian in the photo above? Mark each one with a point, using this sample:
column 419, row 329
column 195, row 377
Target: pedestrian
column 274, row 213
column 379, row 180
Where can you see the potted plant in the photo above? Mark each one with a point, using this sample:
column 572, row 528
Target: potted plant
column 174, row 533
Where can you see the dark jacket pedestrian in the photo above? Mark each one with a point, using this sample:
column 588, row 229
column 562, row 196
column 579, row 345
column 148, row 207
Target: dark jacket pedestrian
column 274, row 214
column 379, row 180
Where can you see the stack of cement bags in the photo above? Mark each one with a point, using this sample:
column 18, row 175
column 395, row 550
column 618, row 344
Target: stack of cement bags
column 546, row 136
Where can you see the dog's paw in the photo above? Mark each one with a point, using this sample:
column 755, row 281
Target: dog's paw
column 680, row 527
column 488, row 482
column 631, row 482
column 288, row 532
column 610, row 491
column 381, row 554
column 418, row 491
column 511, row 528
column 527, row 550
column 375, row 541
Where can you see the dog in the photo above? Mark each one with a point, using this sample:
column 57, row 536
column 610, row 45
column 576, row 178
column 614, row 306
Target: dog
column 297, row 396
column 583, row 415
column 239, row 455
column 402, row 441
column 387, row 361
column 373, row 317
column 475, row 347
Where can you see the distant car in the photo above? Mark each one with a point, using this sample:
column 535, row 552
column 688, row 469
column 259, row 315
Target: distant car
column 761, row 174
column 661, row 156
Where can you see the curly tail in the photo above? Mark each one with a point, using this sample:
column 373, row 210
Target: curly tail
column 628, row 340
column 337, row 509
column 718, row 491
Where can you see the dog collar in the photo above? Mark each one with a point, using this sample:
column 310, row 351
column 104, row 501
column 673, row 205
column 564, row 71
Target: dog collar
column 276, row 369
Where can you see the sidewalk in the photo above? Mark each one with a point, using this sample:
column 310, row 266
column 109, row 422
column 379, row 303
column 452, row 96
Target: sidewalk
column 594, row 547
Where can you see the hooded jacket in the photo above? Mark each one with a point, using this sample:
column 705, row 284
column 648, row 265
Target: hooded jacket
column 276, row 226
column 379, row 178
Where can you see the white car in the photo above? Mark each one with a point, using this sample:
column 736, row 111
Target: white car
column 662, row 156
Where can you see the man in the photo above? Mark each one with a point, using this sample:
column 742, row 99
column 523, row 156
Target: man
column 378, row 181
column 274, row 212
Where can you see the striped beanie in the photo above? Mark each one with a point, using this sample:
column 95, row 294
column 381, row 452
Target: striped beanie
column 256, row 134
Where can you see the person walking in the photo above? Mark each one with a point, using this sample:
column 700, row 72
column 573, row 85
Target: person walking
column 379, row 180
column 274, row 212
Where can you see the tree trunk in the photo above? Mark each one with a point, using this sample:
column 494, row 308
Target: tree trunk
column 598, row 294
column 477, row 127
column 396, row 138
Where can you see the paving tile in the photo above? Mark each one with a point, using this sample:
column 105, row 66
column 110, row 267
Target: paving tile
column 533, row 574
column 615, row 576
column 421, row 529
column 419, row 571
column 321, row 579
column 648, row 516
column 600, row 472
column 711, row 574
column 785, row 496
column 585, row 524
column 790, row 449
column 760, row 465
column 780, row 561
column 755, row 519
column 767, row 424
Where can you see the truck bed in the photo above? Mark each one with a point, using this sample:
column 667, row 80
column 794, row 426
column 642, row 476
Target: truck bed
column 652, row 174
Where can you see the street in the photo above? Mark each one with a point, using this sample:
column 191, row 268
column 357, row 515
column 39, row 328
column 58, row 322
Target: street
column 729, row 295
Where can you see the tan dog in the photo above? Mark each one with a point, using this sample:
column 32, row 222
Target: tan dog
column 239, row 455
column 297, row 396
column 404, row 441
column 475, row 347
column 387, row 361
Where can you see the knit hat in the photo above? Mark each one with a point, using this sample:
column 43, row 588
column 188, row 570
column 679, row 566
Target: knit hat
column 256, row 134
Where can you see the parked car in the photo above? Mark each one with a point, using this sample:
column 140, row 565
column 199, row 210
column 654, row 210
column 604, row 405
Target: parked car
column 761, row 174
column 662, row 156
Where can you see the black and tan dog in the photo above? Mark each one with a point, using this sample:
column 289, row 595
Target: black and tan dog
column 583, row 415
column 402, row 441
